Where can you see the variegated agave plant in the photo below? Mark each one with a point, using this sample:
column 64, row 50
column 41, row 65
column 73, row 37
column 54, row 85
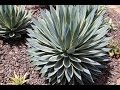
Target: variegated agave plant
column 13, row 20
column 68, row 44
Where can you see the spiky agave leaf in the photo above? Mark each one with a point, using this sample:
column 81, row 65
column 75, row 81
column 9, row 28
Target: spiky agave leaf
column 69, row 44
column 13, row 20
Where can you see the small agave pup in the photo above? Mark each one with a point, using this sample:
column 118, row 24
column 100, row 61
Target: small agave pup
column 13, row 21
column 19, row 79
column 68, row 45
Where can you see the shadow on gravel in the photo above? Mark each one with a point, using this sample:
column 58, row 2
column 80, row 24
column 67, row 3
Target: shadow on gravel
column 15, row 41
column 103, row 79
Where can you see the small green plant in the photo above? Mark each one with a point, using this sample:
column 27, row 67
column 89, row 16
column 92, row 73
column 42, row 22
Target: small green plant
column 68, row 44
column 18, row 79
column 115, row 52
column 13, row 21
column 115, row 48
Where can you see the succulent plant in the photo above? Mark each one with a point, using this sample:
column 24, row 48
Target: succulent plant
column 13, row 20
column 115, row 48
column 68, row 44
column 18, row 79
column 115, row 52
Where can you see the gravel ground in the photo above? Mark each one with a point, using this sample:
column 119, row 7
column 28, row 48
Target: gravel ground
column 14, row 58
column 112, row 75
column 35, row 10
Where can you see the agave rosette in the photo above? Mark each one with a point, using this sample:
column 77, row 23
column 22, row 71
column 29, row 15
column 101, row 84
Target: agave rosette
column 13, row 20
column 68, row 44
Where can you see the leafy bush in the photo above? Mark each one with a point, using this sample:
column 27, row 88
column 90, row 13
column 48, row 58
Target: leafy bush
column 69, row 44
column 13, row 21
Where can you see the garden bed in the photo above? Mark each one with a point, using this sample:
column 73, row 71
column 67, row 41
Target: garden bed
column 14, row 57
